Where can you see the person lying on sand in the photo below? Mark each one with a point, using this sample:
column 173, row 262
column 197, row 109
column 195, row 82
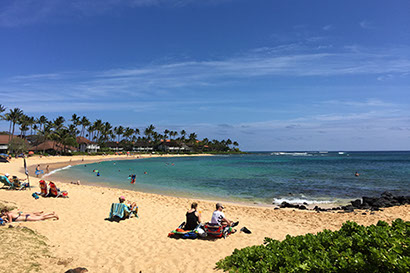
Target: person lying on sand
column 193, row 217
column 25, row 217
column 218, row 217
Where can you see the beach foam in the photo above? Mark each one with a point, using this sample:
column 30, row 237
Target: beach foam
column 301, row 201
column 57, row 170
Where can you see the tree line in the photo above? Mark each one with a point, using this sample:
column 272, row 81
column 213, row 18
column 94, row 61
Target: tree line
column 103, row 133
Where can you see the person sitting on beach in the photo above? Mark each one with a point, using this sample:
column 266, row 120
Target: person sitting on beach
column 10, row 216
column 132, row 206
column 218, row 217
column 193, row 217
column 122, row 210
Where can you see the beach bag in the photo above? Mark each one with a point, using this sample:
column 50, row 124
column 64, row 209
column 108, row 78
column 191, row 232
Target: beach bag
column 189, row 235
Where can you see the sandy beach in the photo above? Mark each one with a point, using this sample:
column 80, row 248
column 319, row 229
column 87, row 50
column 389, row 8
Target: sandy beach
column 81, row 237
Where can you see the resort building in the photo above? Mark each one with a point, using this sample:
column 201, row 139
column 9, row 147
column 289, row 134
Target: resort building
column 4, row 143
column 52, row 147
column 114, row 146
column 172, row 146
column 143, row 146
column 86, row 145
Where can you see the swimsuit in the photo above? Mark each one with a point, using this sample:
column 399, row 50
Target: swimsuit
column 20, row 213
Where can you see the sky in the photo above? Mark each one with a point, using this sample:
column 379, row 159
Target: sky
column 272, row 75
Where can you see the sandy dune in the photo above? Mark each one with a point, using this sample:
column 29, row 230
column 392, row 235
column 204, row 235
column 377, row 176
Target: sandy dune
column 83, row 238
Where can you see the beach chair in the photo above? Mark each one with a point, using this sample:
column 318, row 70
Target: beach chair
column 43, row 188
column 55, row 192
column 217, row 230
column 18, row 185
column 6, row 182
column 120, row 211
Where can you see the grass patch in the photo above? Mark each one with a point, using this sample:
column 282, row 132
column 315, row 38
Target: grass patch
column 22, row 250
column 7, row 205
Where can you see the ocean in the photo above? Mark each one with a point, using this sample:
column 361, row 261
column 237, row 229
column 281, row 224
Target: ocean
column 265, row 178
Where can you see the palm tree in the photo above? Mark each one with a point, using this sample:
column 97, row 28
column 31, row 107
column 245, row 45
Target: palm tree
column 106, row 131
column 14, row 116
column 192, row 137
column 23, row 122
column 84, row 123
column 72, row 129
column 75, row 120
column 136, row 131
column 91, row 130
column 119, row 131
column 2, row 109
column 97, row 127
column 173, row 133
column 149, row 131
column 166, row 132
column 183, row 134
column 58, row 123
column 128, row 133
column 47, row 132
column 42, row 121
column 66, row 136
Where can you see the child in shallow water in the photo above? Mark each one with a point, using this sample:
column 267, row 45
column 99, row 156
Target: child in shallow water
column 10, row 216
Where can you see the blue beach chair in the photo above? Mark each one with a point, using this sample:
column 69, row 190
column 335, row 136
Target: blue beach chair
column 6, row 182
column 120, row 211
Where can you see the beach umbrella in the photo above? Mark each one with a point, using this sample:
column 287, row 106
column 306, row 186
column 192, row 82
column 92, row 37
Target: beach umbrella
column 31, row 153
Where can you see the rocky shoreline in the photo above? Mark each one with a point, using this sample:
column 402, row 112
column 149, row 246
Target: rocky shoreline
column 386, row 199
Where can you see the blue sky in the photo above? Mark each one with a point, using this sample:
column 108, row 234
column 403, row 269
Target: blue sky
column 273, row 75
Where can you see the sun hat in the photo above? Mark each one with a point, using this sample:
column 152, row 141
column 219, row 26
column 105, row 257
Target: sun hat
column 219, row 205
column 122, row 197
column 7, row 175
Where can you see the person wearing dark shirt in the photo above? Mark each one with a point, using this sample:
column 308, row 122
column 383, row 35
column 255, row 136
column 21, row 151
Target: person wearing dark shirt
column 193, row 217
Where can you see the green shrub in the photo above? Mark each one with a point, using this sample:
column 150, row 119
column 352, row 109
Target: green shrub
column 353, row 248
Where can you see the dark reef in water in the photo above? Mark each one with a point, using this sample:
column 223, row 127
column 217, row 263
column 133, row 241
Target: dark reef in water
column 387, row 199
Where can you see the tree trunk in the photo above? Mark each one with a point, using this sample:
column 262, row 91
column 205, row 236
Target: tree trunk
column 10, row 131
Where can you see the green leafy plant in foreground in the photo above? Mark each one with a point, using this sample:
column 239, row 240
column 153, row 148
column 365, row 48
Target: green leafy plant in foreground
column 353, row 248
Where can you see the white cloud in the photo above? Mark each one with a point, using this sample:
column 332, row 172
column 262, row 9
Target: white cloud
column 23, row 12
column 327, row 27
column 372, row 102
column 172, row 79
column 366, row 24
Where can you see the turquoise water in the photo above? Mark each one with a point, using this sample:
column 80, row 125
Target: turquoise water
column 257, row 177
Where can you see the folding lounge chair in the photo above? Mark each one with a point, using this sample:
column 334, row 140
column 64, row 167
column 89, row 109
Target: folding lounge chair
column 18, row 185
column 6, row 182
column 217, row 231
column 55, row 192
column 120, row 211
column 43, row 188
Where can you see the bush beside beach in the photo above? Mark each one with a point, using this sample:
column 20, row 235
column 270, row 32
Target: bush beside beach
column 353, row 248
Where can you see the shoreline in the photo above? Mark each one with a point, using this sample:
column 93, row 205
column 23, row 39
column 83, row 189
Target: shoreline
column 253, row 203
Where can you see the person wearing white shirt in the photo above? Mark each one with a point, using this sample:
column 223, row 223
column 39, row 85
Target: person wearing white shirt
column 218, row 217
